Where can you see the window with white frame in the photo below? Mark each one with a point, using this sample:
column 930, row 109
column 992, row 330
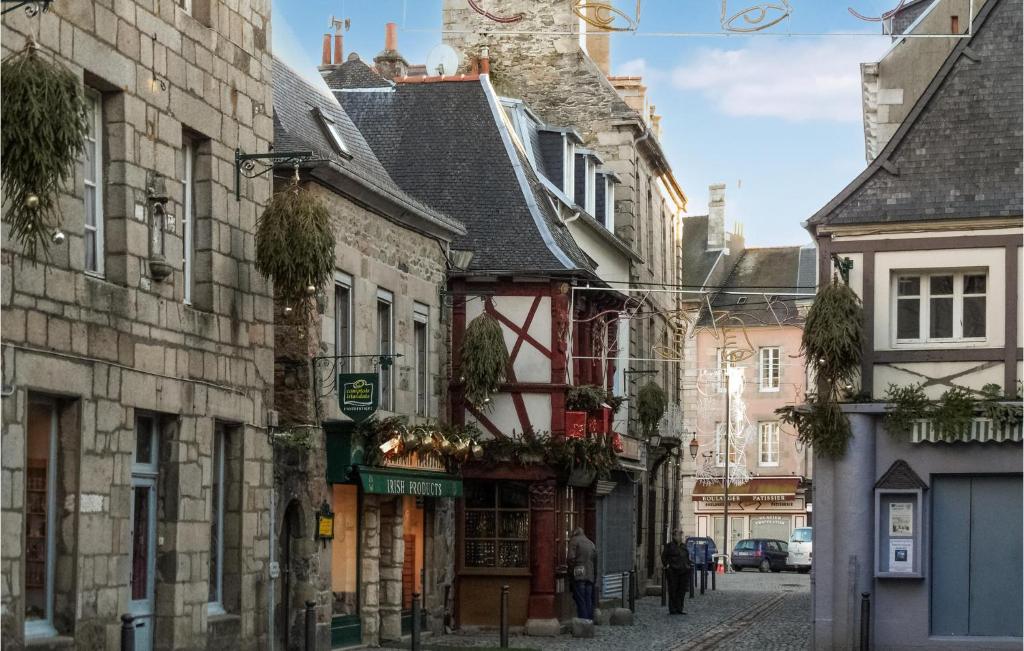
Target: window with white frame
column 768, row 444
column 940, row 306
column 421, row 344
column 40, row 517
column 609, row 203
column 337, row 139
column 93, row 177
column 569, row 168
column 185, row 4
column 770, row 368
column 215, row 601
column 343, row 320
column 590, row 185
column 723, row 365
column 720, row 446
column 188, row 219
column 386, row 346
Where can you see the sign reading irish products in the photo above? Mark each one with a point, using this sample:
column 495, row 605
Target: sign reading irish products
column 358, row 395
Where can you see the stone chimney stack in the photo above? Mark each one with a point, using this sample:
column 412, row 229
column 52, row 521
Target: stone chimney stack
column 598, row 44
column 390, row 63
column 716, row 217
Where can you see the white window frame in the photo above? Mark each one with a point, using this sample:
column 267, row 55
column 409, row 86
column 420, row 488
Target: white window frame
column 569, row 167
column 186, row 6
column 589, row 185
column 42, row 628
column 770, row 428
column 924, row 301
column 609, row 203
column 95, row 102
column 720, row 437
column 766, row 365
column 421, row 316
column 387, row 402
column 343, row 280
column 188, row 226
column 220, row 434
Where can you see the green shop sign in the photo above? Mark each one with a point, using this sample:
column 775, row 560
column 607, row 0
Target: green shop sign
column 358, row 395
column 381, row 481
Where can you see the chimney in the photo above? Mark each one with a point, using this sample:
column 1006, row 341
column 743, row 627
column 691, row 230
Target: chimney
column 598, row 43
column 716, row 217
column 325, row 58
column 391, row 37
column 338, row 49
column 485, row 61
column 391, row 64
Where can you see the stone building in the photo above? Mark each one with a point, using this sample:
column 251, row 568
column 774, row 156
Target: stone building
column 927, row 521
column 137, row 357
column 561, row 71
column 383, row 314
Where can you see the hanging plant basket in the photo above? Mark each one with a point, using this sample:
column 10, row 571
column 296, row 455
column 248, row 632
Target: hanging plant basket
column 651, row 405
column 295, row 245
column 582, row 477
column 42, row 131
column 484, row 360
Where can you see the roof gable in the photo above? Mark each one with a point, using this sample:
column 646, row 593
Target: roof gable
column 958, row 153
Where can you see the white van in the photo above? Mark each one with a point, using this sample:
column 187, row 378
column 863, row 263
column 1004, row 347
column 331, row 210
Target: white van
column 801, row 551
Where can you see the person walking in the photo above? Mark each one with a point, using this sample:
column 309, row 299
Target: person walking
column 676, row 560
column 582, row 562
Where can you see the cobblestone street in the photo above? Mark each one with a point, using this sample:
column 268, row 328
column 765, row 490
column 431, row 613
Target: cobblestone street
column 750, row 610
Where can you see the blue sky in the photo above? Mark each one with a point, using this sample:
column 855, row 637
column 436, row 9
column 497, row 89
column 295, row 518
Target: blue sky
column 775, row 117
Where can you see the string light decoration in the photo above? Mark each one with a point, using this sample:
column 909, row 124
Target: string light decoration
column 755, row 18
column 605, row 16
column 505, row 20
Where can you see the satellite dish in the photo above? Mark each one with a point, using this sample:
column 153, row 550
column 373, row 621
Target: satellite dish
column 443, row 60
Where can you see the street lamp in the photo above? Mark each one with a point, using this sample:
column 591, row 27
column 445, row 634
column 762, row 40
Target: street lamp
column 693, row 447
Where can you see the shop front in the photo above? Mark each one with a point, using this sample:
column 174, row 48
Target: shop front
column 764, row 507
column 390, row 523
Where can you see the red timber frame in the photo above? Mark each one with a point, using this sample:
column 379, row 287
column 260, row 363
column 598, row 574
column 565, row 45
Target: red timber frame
column 589, row 317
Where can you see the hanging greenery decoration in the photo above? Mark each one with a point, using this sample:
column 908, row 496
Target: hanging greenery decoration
column 651, row 405
column 951, row 415
column 832, row 341
column 295, row 245
column 586, row 397
column 484, row 360
column 42, row 130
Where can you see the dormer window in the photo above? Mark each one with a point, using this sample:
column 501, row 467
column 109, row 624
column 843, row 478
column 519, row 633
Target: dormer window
column 604, row 200
column 586, row 181
column 334, row 133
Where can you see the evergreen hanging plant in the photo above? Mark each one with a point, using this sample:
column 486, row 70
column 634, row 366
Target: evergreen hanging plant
column 833, row 335
column 42, row 136
column 820, row 424
column 651, row 405
column 295, row 245
column 484, row 360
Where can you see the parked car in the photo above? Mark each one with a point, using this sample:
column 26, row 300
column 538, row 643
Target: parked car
column 709, row 550
column 801, row 551
column 763, row 553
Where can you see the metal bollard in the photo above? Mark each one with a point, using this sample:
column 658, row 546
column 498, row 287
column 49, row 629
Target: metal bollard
column 310, row 626
column 127, row 632
column 703, row 580
column 625, row 587
column 632, row 590
column 691, row 578
column 503, row 623
column 664, row 586
column 865, row 621
column 713, row 579
column 416, row 623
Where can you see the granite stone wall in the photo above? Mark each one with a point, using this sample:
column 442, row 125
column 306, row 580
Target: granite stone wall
column 108, row 347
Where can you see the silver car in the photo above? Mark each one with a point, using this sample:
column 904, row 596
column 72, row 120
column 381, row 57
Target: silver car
column 801, row 551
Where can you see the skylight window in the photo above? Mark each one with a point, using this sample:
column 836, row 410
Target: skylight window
column 334, row 132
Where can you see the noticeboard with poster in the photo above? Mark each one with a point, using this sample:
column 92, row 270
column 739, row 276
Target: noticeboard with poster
column 898, row 534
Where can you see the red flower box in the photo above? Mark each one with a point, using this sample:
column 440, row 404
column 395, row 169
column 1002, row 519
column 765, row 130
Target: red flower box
column 617, row 443
column 576, row 424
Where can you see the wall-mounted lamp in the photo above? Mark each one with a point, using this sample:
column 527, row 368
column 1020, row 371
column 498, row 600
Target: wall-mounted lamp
column 694, row 446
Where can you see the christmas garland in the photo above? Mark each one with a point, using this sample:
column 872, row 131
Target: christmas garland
column 42, row 135
column 295, row 245
column 651, row 405
column 484, row 360
column 951, row 415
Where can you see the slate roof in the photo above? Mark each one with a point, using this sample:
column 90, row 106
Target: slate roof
column 697, row 260
column 901, row 476
column 442, row 143
column 354, row 73
column 297, row 127
column 769, row 274
column 958, row 153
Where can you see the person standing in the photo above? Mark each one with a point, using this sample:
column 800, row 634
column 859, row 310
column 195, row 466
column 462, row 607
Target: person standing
column 582, row 562
column 676, row 560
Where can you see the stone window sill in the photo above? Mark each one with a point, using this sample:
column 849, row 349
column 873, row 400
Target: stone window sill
column 57, row 642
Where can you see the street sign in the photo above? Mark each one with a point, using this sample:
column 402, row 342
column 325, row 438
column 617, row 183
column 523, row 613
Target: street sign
column 358, row 395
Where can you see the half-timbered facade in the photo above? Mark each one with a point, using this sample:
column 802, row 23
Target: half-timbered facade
column 930, row 235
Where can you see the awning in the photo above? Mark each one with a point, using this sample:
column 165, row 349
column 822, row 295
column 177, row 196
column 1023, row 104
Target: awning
column 767, row 489
column 386, row 481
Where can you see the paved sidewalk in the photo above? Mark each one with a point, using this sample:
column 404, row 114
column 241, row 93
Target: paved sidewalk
column 750, row 610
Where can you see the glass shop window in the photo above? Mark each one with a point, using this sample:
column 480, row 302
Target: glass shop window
column 497, row 525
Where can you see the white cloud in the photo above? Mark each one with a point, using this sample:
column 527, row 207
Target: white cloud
column 792, row 79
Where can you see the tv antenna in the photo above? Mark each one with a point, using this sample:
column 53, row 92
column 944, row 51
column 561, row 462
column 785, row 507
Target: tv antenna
column 337, row 24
